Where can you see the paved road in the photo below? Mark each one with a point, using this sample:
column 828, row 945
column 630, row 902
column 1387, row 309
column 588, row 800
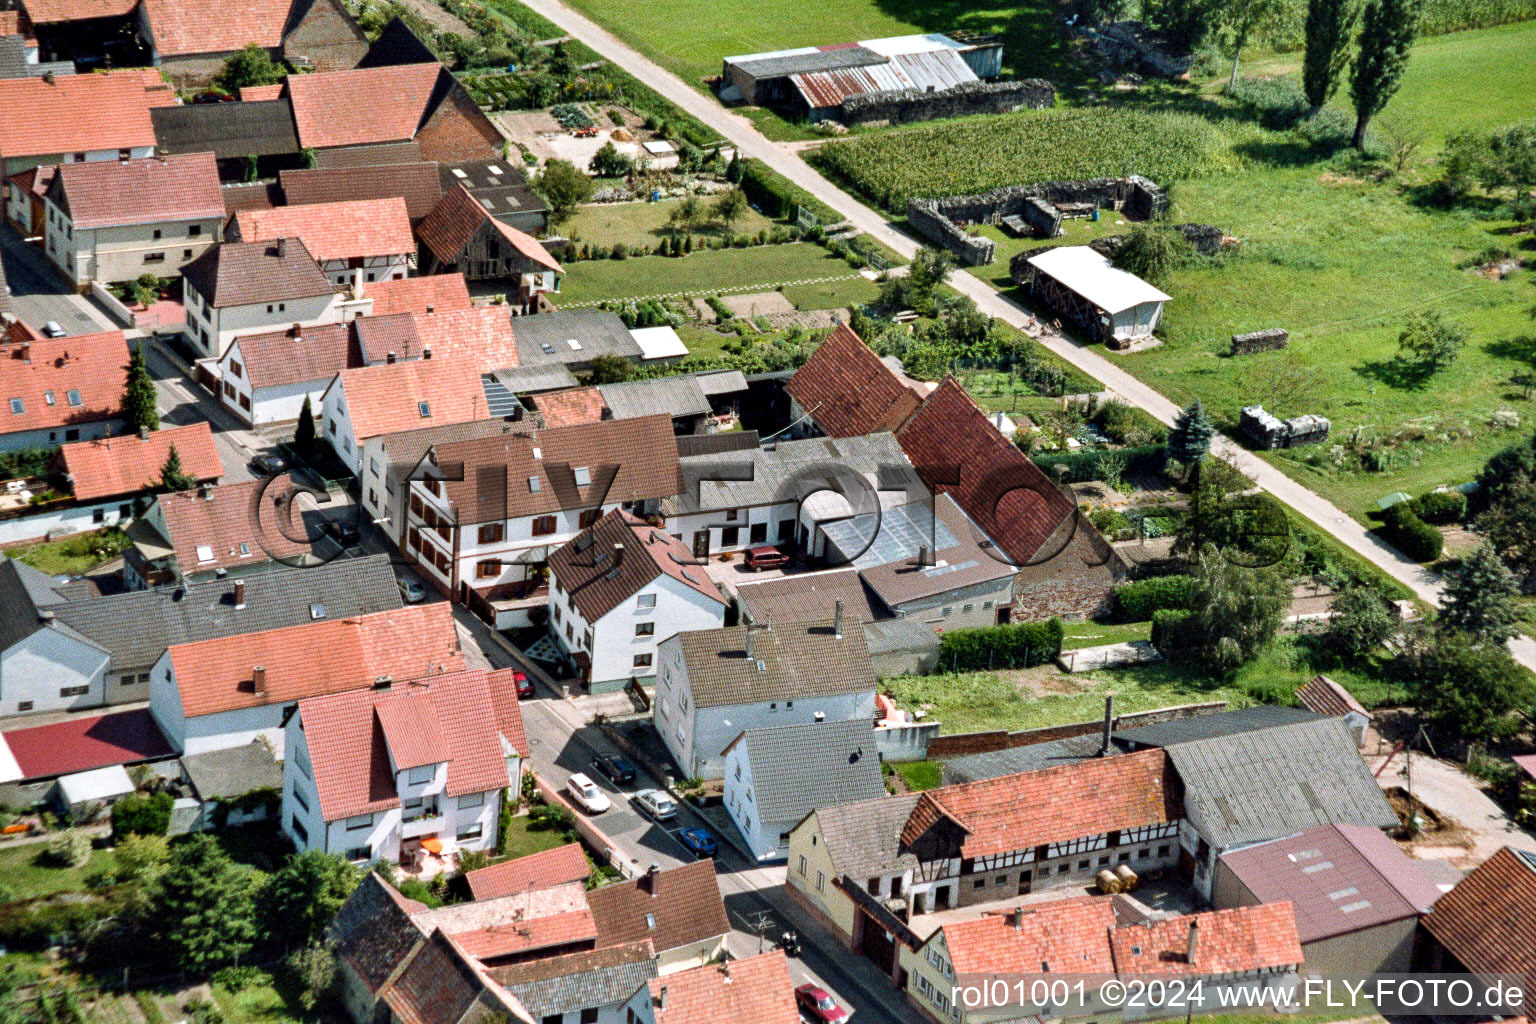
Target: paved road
column 786, row 160
column 40, row 293
column 562, row 743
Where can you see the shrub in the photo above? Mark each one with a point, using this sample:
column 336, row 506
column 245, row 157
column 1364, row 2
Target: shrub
column 36, row 924
column 619, row 251
column 1019, row 645
column 1443, row 507
column 1170, row 629
column 1139, row 600
column 1412, row 535
column 1083, row 464
column 203, row 1011
column 70, row 848
column 776, row 196
column 145, row 814
column 238, row 979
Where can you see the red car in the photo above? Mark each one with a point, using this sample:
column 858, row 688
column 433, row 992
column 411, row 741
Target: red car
column 765, row 558
column 524, row 685
column 819, row 1006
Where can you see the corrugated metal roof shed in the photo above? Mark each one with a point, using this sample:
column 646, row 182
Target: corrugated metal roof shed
column 936, row 69
column 830, row 88
column 781, row 63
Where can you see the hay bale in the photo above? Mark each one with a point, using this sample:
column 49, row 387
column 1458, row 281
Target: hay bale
column 1109, row 882
column 1126, row 877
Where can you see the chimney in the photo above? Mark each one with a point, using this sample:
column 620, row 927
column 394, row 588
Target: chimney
column 837, row 620
column 725, row 971
column 259, row 679
column 618, row 555
column 143, row 433
column 431, row 309
column 48, row 77
column 922, row 554
column 661, row 999
column 1194, row 940
column 426, row 351
column 205, row 492
column 26, row 352
column 1109, row 724
column 751, row 631
column 1018, row 919
column 389, row 357
column 648, row 880
column 282, row 247
column 298, row 332
column 45, row 615
column 239, row 595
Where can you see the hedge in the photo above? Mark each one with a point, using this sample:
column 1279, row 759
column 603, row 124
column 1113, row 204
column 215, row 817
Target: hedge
column 1083, row 464
column 1019, row 645
column 776, row 196
column 1138, row 600
column 1412, row 535
column 1443, row 507
column 145, row 814
column 1168, row 628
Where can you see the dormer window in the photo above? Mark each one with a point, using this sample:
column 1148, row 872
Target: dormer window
column 421, row 776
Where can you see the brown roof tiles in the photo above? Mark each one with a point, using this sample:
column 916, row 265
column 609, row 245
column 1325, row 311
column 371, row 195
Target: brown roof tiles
column 276, row 358
column 248, row 273
column 1327, row 697
column 1488, row 921
column 181, row 27
column 315, row 658
column 453, row 222
column 351, row 229
column 418, row 184
column 561, row 865
column 798, row 659
column 848, row 391
column 211, row 528
column 571, row 406
column 53, row 12
column 684, row 902
column 110, row 193
column 127, row 465
column 57, row 382
column 754, row 990
column 599, row 576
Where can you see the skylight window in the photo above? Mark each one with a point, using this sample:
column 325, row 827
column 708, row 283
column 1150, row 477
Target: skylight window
column 205, row 552
column 549, row 349
column 73, row 396
column 245, row 550
column 425, row 408
column 650, row 920
column 534, row 487
column 317, row 611
column 48, row 397
column 583, row 476
column 17, row 406
column 574, row 344
column 495, row 169
column 457, row 173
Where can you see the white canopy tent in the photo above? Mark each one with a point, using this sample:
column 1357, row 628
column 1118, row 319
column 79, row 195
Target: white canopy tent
column 1128, row 306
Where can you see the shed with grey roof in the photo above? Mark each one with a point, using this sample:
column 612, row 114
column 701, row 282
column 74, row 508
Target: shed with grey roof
column 601, row 978
column 45, row 663
column 775, row 776
column 572, row 338
column 528, row 380
column 220, row 778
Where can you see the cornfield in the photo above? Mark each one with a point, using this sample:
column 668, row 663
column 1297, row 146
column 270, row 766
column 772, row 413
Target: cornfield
column 1016, row 149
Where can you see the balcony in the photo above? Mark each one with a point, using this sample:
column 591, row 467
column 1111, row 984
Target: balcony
column 421, row 823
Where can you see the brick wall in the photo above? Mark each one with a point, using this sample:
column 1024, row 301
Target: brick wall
column 1077, row 582
column 326, row 35
column 458, row 130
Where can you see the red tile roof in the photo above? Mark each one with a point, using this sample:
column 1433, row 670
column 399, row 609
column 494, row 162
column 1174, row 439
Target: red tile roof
column 416, row 294
column 1071, row 936
column 354, row 736
column 109, row 193
column 482, row 334
column 1527, row 764
column 315, row 658
column 514, row 937
column 563, row 864
column 453, row 222
column 1051, row 805
column 683, row 901
column 62, row 381
column 218, row 521
column 598, row 581
column 257, row 93
column 80, row 744
column 51, row 12
column 444, row 984
column 1327, row 697
column 1488, row 921
column 1233, row 941
column 182, row 27
column 848, row 391
column 127, row 465
column 333, row 231
column 571, row 406
column 1004, row 492
column 34, row 179
column 755, row 990
column 10, row 23
column 75, row 113
column 385, row 399
column 276, row 358
column 364, row 105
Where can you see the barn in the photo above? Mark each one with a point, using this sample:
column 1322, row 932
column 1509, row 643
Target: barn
column 1105, row 303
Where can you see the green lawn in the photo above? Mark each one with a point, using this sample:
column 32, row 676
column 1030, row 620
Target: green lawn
column 919, row 775
column 852, row 291
column 523, row 840
column 72, row 556
column 25, row 871
column 700, row 273
column 646, row 223
column 1096, row 634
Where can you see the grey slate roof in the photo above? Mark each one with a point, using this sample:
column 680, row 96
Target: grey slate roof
column 523, row 380
column 1204, row 727
column 545, row 338
column 24, row 592
column 775, row 471
column 801, row 659
column 713, row 444
column 230, row 131
column 1252, row 786
column 13, row 61
column 497, row 185
column 993, row 763
column 666, row 396
column 864, row 838
column 138, row 626
column 234, row 771
column 805, row 63
column 579, row 981
column 891, row 636
column 798, row 768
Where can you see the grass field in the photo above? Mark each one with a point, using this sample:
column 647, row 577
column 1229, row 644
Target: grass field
column 646, row 223
column 25, row 871
column 1096, row 634
column 700, row 273
column 852, row 291
column 523, row 840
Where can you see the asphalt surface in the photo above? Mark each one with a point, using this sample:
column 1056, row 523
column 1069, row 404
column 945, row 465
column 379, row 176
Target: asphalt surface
column 40, row 292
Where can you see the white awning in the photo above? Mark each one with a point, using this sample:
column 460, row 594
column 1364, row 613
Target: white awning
column 107, row 783
column 1090, row 275
column 659, row 343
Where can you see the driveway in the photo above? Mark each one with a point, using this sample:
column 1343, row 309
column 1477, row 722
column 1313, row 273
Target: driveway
column 39, row 292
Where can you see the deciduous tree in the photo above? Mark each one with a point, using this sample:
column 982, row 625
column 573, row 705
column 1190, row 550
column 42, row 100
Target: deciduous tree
column 1470, row 689
column 1360, row 620
column 1431, row 341
column 1152, row 252
column 1237, row 611
column 563, row 187
column 728, row 209
column 250, row 66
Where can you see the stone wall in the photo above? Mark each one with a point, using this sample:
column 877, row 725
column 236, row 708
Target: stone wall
column 960, row 744
column 1259, row 341
column 899, row 106
column 939, row 220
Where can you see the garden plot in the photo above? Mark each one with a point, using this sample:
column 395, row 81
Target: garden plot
column 757, row 304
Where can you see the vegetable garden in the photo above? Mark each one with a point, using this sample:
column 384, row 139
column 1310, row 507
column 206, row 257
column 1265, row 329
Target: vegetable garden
column 977, row 154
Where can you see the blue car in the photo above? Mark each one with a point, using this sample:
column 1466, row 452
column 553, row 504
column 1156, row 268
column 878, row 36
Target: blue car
column 699, row 842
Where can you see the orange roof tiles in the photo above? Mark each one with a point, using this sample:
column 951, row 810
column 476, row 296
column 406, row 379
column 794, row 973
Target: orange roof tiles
column 1227, row 942
column 1488, row 921
column 257, row 93
column 315, row 658
column 999, row 487
column 211, row 528
column 848, row 391
column 571, row 406
column 109, row 193
column 127, row 465
column 459, row 718
column 364, row 105
column 453, row 222
column 418, row 294
column 1071, row 936
column 332, row 231
column 387, row 398
column 757, row 989
column 571, row 927
column 56, row 382
column 1327, row 697
column 181, row 27
column 76, row 113
column 52, row 12
column 481, row 334
column 1052, row 805
column 561, row 865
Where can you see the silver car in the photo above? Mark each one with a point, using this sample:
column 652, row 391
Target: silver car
column 411, row 591
column 656, row 804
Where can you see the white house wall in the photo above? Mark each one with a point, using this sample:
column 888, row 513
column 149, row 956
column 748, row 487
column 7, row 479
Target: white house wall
column 38, row 669
column 677, row 609
column 213, row 328
column 52, row 437
column 66, row 519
